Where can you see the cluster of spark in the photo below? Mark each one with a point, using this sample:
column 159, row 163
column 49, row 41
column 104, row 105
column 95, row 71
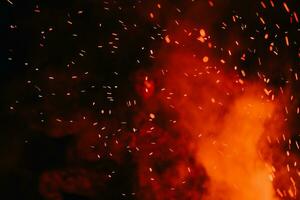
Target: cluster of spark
column 201, row 124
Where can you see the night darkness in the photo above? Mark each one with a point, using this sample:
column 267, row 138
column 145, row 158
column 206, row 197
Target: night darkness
column 150, row 100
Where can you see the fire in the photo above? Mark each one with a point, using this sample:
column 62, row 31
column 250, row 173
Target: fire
column 231, row 158
column 191, row 124
column 223, row 125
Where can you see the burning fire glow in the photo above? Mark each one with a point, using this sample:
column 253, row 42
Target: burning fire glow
column 194, row 125
column 201, row 133
column 223, row 123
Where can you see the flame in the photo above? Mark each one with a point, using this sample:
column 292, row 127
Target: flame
column 223, row 124
column 232, row 159
column 199, row 130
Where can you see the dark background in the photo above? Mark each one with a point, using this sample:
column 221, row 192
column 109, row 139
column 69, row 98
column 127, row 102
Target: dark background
column 29, row 147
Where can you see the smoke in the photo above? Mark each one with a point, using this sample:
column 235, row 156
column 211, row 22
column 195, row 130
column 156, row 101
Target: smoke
column 224, row 122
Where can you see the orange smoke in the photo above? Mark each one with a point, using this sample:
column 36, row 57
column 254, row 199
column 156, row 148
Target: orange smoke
column 225, row 122
column 231, row 158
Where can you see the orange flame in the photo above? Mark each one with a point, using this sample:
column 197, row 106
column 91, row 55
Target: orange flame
column 225, row 121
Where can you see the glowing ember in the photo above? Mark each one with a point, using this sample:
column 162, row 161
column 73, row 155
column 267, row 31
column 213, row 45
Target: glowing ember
column 185, row 100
